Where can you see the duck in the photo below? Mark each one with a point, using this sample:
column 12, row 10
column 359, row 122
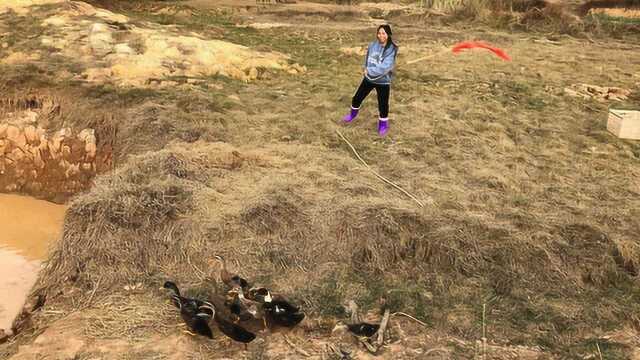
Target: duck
column 230, row 279
column 195, row 313
column 258, row 294
column 244, row 308
column 363, row 329
column 277, row 309
column 233, row 330
column 281, row 313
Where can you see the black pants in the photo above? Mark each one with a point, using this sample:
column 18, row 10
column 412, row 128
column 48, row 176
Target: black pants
column 383, row 96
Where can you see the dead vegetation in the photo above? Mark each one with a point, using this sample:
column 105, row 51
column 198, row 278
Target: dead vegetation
column 542, row 16
column 528, row 229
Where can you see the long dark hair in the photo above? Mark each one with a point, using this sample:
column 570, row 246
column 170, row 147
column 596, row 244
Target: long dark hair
column 387, row 29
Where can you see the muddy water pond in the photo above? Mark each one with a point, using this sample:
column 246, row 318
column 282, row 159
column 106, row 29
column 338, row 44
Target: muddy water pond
column 28, row 227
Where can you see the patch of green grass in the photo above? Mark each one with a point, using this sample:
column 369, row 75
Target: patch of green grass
column 230, row 85
column 23, row 34
column 618, row 20
column 598, row 349
column 24, row 76
column 201, row 20
column 23, row 31
column 302, row 50
column 516, row 87
column 535, row 103
column 326, row 298
column 409, row 297
column 614, row 26
column 288, row 42
column 561, row 331
column 126, row 96
column 520, row 200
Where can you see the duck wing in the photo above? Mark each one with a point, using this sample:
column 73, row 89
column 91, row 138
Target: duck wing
column 234, row 331
column 281, row 315
column 197, row 319
column 286, row 306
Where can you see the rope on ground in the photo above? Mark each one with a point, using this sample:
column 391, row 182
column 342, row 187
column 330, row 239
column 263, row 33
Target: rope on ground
column 409, row 316
column 376, row 174
column 443, row 51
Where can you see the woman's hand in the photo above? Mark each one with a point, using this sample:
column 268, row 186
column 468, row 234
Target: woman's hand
column 364, row 72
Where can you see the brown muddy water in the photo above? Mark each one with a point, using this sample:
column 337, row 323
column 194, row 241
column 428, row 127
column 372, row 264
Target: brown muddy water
column 28, row 226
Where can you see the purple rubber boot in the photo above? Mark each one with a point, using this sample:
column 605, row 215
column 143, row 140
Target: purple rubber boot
column 350, row 116
column 383, row 126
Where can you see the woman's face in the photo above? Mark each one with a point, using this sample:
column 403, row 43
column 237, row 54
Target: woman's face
column 382, row 36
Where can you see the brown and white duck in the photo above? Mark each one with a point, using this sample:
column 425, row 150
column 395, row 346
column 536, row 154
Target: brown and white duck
column 230, row 279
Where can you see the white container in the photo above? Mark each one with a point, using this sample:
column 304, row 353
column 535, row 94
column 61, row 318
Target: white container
column 624, row 124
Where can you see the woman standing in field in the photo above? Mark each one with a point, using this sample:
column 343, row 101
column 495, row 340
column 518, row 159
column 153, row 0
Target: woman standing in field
column 378, row 74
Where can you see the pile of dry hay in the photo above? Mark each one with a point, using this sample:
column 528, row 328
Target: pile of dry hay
column 309, row 224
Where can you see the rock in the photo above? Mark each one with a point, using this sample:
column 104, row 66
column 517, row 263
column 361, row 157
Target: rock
column 82, row 8
column 64, row 132
column 253, row 73
column 65, row 74
column 600, row 93
column 30, row 134
column 17, row 155
column 34, row 186
column 41, row 133
column 29, row 117
column 234, row 72
column 66, row 151
column 43, row 144
column 63, row 163
column 54, row 147
column 72, row 170
column 169, row 83
column 55, row 144
column 90, row 150
column 37, row 160
column 124, row 49
column 19, row 58
column 296, row 69
column 46, row 41
column 87, row 135
column 55, row 21
column 5, row 45
column 12, row 133
column 101, row 39
column 111, row 17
